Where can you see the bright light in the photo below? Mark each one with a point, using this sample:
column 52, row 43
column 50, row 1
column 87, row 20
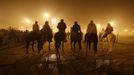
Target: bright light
column 133, row 31
column 21, row 28
column 55, row 30
column 53, row 20
column 98, row 26
column 112, row 23
column 46, row 15
column 28, row 21
column 125, row 30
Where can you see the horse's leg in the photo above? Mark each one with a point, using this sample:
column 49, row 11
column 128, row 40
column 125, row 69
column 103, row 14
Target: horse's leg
column 39, row 47
column 62, row 47
column 49, row 45
column 89, row 46
column 74, row 46
column 71, row 45
column 95, row 47
column 80, row 47
column 110, row 46
column 57, row 45
column 33, row 46
column 58, row 54
column 87, row 43
column 27, row 46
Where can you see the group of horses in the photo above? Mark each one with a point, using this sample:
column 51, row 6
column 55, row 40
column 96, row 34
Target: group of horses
column 59, row 40
column 42, row 37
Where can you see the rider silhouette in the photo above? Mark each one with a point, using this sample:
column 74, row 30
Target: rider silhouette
column 47, row 30
column 36, row 27
column 91, row 29
column 62, row 26
column 109, row 29
column 46, row 27
column 91, row 35
column 76, row 27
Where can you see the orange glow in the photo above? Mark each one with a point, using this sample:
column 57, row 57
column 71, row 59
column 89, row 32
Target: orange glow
column 98, row 26
column 28, row 21
column 46, row 15
column 112, row 23
column 53, row 20
column 125, row 30
column 21, row 28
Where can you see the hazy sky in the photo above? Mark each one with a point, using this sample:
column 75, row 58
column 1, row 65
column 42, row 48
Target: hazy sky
column 12, row 12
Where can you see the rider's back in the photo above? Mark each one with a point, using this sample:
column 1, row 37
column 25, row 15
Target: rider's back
column 76, row 28
column 61, row 26
column 92, row 28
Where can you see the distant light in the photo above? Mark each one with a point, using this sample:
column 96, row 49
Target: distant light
column 53, row 20
column 21, row 28
column 28, row 21
column 98, row 26
column 46, row 15
column 125, row 30
column 55, row 30
column 133, row 31
column 112, row 23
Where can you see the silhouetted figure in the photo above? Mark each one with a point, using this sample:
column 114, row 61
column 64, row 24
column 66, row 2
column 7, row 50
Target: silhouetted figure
column 91, row 36
column 108, row 30
column 48, row 32
column 76, row 27
column 76, row 35
column 101, row 33
column 62, row 26
column 36, row 27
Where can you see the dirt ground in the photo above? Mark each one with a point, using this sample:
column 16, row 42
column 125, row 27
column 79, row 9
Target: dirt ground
column 14, row 61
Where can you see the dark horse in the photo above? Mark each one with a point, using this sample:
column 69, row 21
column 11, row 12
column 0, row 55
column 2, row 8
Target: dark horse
column 33, row 37
column 59, row 38
column 91, row 38
column 48, row 37
column 76, row 37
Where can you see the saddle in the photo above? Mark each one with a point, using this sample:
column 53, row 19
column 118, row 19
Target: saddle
column 76, row 35
column 60, row 36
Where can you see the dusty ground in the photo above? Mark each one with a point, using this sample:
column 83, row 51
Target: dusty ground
column 14, row 61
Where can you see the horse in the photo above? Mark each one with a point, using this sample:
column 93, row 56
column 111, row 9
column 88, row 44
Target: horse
column 108, row 42
column 34, row 37
column 91, row 38
column 48, row 37
column 76, row 37
column 59, row 38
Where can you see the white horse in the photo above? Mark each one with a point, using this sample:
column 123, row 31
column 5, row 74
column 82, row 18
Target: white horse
column 108, row 42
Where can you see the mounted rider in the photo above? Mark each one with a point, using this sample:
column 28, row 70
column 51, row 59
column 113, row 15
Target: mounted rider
column 47, row 30
column 36, row 27
column 91, row 29
column 109, row 29
column 62, row 26
column 91, row 36
column 76, row 27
